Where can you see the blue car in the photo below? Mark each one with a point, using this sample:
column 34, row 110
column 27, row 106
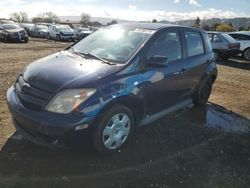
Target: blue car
column 115, row 80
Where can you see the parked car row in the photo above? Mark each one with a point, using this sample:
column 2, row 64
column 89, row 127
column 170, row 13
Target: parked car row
column 59, row 32
column 230, row 44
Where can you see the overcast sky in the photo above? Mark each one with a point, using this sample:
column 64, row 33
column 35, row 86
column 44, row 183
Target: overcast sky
column 137, row 10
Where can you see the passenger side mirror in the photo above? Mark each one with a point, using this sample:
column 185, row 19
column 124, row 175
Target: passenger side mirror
column 157, row 61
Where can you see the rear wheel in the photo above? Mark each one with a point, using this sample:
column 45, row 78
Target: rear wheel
column 201, row 97
column 246, row 54
column 58, row 38
column 113, row 129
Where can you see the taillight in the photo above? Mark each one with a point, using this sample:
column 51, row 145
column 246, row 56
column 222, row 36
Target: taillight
column 231, row 46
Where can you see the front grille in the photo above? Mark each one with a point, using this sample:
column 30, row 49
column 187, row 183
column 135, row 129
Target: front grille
column 30, row 96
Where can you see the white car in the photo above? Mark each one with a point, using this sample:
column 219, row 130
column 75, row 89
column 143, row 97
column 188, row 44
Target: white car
column 244, row 38
column 61, row 33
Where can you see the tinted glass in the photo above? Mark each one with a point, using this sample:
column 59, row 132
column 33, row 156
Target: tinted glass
column 11, row 26
column 194, row 43
column 167, row 45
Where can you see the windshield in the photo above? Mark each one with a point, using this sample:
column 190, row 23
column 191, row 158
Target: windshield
column 11, row 26
column 64, row 28
column 42, row 27
column 115, row 44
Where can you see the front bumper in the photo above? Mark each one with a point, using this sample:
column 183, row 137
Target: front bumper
column 68, row 38
column 45, row 128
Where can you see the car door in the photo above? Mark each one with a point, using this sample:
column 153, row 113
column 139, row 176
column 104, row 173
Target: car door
column 196, row 59
column 163, row 86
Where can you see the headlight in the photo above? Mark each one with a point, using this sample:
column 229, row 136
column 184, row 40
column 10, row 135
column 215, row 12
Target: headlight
column 68, row 100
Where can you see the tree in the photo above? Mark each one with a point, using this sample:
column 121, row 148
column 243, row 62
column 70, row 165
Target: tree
column 205, row 27
column 37, row 19
column 50, row 17
column 197, row 23
column 154, row 21
column 85, row 19
column 214, row 26
column 224, row 28
column 19, row 17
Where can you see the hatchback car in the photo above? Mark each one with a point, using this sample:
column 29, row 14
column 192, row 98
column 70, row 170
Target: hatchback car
column 13, row 32
column 111, row 82
column 39, row 30
column 224, row 46
column 61, row 33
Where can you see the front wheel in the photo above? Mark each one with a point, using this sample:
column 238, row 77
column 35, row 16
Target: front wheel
column 246, row 54
column 113, row 129
column 202, row 95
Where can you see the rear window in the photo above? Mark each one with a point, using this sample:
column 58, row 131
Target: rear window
column 228, row 37
column 194, row 43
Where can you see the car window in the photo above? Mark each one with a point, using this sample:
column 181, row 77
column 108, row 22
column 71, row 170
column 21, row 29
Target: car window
column 210, row 36
column 240, row 36
column 216, row 38
column 167, row 45
column 194, row 43
column 208, row 43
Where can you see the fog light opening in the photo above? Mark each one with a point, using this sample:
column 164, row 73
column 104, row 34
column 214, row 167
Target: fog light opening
column 80, row 127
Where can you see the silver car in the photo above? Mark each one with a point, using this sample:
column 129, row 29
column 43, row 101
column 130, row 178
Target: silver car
column 223, row 45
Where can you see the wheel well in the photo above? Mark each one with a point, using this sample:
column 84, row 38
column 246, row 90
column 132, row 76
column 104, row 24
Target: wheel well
column 135, row 105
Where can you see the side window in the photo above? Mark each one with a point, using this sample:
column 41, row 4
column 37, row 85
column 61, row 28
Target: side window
column 216, row 38
column 194, row 43
column 208, row 43
column 244, row 37
column 210, row 36
column 168, row 45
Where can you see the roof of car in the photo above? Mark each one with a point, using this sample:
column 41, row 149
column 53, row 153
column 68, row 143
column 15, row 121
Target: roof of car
column 151, row 26
column 241, row 32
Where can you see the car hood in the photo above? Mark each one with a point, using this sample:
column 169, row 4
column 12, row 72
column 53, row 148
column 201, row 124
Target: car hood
column 67, row 32
column 64, row 70
column 14, row 30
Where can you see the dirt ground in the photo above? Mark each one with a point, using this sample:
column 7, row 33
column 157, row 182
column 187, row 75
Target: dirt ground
column 199, row 147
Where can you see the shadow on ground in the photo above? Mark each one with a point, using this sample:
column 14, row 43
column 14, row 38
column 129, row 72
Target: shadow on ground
column 195, row 147
column 240, row 63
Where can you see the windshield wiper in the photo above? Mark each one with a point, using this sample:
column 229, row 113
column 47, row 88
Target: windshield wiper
column 92, row 56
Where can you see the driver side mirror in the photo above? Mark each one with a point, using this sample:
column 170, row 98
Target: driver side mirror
column 157, row 61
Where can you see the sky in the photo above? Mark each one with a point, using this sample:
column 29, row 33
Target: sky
column 134, row 10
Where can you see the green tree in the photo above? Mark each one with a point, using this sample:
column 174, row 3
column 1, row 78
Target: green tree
column 154, row 21
column 224, row 28
column 85, row 19
column 19, row 17
column 197, row 23
column 214, row 26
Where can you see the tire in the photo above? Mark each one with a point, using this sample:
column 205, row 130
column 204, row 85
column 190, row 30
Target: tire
column 246, row 54
column 58, row 38
column 202, row 95
column 114, row 129
column 26, row 40
column 48, row 36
